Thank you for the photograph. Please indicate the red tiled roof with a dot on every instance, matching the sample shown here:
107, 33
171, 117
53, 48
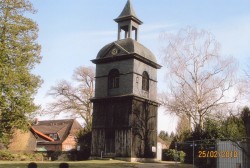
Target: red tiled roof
61, 127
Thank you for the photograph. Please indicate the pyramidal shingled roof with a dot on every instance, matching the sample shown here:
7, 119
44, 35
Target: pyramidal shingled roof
127, 13
128, 10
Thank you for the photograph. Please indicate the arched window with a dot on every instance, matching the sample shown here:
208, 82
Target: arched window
145, 81
113, 79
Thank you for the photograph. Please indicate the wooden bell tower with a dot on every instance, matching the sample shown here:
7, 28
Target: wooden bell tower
125, 105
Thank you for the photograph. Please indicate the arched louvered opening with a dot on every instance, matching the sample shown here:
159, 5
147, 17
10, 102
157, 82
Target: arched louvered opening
113, 79
145, 81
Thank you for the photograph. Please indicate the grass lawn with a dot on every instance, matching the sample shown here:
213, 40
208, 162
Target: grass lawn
90, 164
82, 164
172, 165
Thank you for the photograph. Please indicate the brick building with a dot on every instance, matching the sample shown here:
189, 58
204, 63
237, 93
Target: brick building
47, 135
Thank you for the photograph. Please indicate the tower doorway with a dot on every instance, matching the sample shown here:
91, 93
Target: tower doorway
110, 142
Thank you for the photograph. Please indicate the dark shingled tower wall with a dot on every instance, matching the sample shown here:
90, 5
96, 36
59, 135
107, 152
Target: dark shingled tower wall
125, 104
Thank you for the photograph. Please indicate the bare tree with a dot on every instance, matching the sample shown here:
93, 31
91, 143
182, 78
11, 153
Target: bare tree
75, 98
246, 82
200, 79
183, 125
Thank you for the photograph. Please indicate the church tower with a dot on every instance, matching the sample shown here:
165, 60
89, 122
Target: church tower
125, 104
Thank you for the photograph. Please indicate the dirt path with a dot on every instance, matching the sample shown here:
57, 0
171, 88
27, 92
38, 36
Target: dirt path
151, 165
162, 165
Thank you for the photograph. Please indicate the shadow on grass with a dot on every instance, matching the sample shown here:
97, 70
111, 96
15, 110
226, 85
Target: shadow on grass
64, 165
32, 165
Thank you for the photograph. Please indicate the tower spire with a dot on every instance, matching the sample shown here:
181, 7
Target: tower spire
128, 22
128, 10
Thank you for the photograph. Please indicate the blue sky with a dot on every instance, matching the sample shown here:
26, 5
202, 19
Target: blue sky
72, 32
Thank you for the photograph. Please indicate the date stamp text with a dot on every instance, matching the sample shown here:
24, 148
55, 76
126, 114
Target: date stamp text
218, 154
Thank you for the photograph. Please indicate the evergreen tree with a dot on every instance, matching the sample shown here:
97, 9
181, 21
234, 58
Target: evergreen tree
233, 128
19, 52
164, 136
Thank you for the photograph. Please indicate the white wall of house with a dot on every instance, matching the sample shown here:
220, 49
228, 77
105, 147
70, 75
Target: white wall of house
159, 151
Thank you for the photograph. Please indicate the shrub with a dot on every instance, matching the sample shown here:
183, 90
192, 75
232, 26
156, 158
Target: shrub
182, 156
20, 156
5, 155
173, 155
84, 140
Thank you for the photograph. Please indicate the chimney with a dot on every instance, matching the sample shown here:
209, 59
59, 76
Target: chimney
36, 121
